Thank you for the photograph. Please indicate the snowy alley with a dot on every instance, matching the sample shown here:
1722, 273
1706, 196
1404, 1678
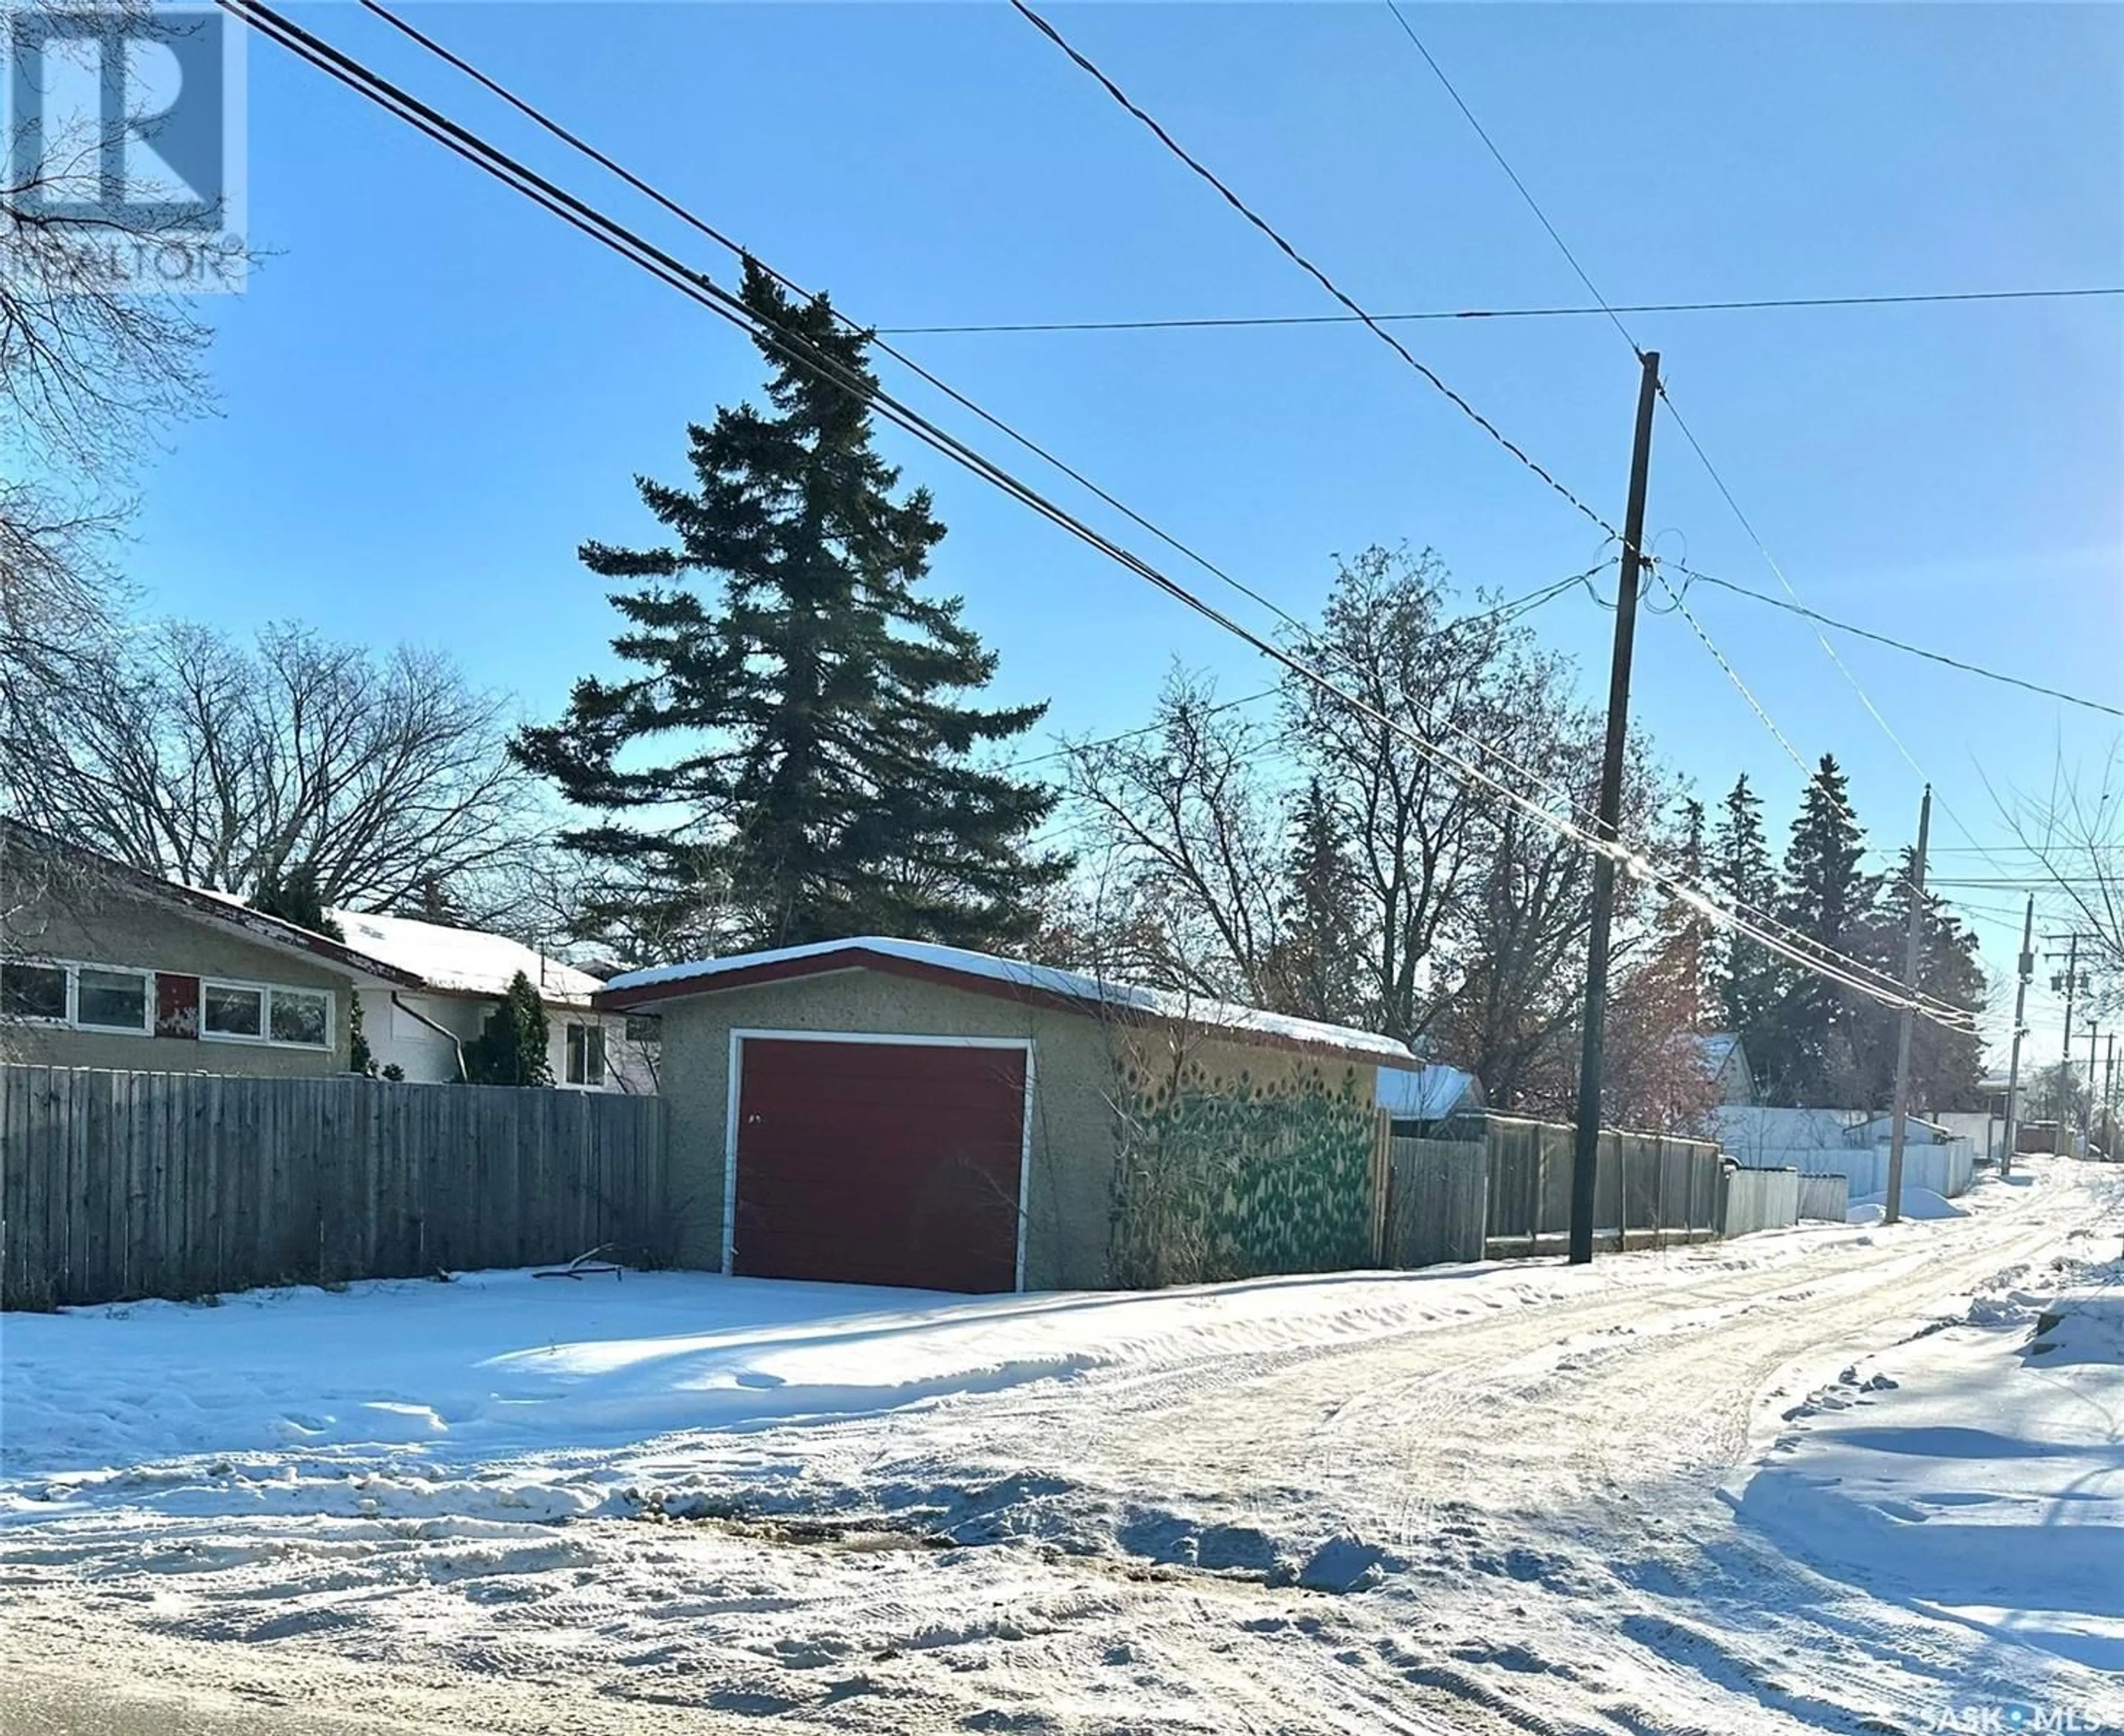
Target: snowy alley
1840, 1478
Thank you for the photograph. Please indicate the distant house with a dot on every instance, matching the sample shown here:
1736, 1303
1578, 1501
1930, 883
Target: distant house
102, 966
1732, 1080
1429, 1093
458, 975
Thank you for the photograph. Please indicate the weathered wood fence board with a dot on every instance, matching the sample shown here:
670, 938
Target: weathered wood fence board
122, 1184
1437, 1200
1826, 1198
1759, 1200
1496, 1186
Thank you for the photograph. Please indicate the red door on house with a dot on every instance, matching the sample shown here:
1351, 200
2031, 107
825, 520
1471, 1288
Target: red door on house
879, 1163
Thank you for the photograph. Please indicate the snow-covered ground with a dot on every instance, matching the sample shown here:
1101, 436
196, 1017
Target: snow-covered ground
1824, 1479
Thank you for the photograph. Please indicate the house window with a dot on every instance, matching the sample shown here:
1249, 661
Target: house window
33, 991
586, 1054
301, 1016
110, 1000
227, 1009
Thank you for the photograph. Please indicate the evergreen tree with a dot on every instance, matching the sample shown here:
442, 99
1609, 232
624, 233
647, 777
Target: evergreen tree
511, 1048
1318, 964
1820, 1054
1690, 935
294, 898
361, 1058
1945, 1065
816, 754
1749, 980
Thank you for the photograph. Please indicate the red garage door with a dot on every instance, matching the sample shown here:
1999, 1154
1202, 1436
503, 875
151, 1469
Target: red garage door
879, 1163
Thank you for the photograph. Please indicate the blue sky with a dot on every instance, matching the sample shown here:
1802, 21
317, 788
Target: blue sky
432, 393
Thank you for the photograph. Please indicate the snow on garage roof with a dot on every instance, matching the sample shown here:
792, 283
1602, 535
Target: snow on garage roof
463, 961
1013, 977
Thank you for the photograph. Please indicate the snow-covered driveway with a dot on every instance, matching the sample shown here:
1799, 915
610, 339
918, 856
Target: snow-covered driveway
1498, 1498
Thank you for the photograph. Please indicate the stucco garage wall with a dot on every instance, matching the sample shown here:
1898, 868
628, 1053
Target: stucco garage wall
1242, 1160
1069, 1209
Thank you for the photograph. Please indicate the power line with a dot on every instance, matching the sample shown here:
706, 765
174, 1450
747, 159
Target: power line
1236, 322
1695, 446
1679, 605
1320, 277
1693, 575
531, 112
1511, 610
1231, 197
698, 286
1511, 174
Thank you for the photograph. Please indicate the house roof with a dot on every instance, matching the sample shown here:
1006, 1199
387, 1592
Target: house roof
221, 909
1430, 1093
464, 961
1011, 978
1718, 1049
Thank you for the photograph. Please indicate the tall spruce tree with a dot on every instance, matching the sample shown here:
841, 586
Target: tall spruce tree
816, 769
1317, 963
1751, 980
1690, 942
1945, 1065
1821, 1055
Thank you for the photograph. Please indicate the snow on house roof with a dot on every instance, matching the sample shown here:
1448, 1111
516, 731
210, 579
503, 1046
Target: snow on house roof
1429, 1094
465, 961
874, 951
1718, 1047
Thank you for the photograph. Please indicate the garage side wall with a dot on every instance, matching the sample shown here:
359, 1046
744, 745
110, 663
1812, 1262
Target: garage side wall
1070, 1204
1240, 1160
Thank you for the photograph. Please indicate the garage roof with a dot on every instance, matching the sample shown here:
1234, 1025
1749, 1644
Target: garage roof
1013, 978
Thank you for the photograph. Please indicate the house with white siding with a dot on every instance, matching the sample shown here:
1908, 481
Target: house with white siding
462, 974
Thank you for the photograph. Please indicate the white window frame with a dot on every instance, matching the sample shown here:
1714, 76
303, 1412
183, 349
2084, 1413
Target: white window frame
273, 991
603, 1084
734, 1082
264, 1011
266, 1039
65, 967
74, 967
145, 1028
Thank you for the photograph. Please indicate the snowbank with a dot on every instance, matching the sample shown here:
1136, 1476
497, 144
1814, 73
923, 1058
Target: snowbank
1919, 1205
1975, 1472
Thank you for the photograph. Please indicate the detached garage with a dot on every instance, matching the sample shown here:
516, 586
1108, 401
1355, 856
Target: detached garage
884, 1112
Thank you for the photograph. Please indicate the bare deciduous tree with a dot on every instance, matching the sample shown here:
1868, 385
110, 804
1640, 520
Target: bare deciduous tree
1181, 816
90, 371
1419, 835
184, 753
2075, 831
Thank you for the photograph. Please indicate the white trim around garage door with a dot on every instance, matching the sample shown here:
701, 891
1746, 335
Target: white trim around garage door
733, 1086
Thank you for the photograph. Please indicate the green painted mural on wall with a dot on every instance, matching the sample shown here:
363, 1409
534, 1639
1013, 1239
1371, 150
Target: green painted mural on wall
1240, 1175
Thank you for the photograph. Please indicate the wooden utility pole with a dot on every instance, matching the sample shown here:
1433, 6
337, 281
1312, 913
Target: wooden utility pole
2064, 1072
1897, 1127
2020, 1011
2092, 1026
1585, 1152
2109, 1096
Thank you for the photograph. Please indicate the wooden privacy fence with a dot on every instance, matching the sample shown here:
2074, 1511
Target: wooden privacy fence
1493, 1186
1825, 1198
116, 1185
1437, 1200
1759, 1200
